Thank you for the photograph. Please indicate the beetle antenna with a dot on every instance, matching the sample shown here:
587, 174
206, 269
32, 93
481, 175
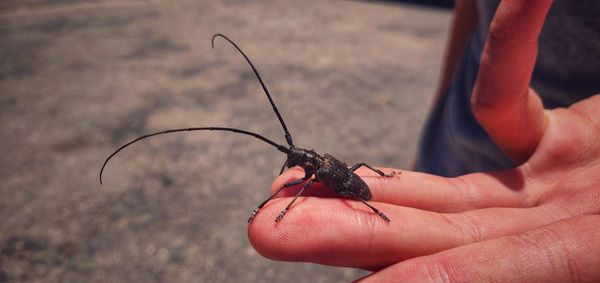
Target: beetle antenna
288, 137
278, 146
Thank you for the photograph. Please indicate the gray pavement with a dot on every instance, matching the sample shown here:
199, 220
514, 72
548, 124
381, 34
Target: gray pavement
80, 78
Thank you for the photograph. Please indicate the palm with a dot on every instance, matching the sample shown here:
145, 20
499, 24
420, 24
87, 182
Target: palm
563, 172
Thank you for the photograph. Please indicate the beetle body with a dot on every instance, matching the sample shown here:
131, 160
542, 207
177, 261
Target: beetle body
335, 174
329, 171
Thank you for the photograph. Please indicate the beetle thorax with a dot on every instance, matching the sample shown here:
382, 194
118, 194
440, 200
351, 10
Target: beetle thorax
307, 159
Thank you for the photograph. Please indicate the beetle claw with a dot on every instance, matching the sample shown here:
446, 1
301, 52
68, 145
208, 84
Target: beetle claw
383, 216
281, 214
254, 212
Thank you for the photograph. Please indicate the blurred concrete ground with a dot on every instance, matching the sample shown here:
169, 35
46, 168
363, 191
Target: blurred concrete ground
80, 78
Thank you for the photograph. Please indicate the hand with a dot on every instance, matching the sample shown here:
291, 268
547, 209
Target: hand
538, 222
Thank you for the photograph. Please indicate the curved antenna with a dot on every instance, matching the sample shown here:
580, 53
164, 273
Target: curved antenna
288, 137
278, 146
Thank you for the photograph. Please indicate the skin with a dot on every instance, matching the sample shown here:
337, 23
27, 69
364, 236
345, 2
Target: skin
539, 222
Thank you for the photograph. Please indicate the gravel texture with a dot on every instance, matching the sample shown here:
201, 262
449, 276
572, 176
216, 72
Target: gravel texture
80, 78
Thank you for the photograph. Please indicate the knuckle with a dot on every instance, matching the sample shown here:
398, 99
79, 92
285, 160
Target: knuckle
466, 227
467, 192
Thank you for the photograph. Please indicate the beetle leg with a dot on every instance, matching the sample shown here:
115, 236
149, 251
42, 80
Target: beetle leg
374, 209
381, 173
286, 185
283, 167
284, 211
355, 196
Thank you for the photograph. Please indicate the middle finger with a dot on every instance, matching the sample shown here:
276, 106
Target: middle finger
343, 232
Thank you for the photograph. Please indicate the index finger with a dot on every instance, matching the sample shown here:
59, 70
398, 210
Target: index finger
430, 192
502, 102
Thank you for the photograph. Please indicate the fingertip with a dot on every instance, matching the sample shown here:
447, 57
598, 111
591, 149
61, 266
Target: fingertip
288, 239
328, 231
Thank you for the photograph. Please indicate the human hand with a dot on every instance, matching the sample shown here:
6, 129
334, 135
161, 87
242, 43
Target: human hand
538, 222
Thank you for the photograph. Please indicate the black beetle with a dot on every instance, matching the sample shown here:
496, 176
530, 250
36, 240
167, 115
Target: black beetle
324, 169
